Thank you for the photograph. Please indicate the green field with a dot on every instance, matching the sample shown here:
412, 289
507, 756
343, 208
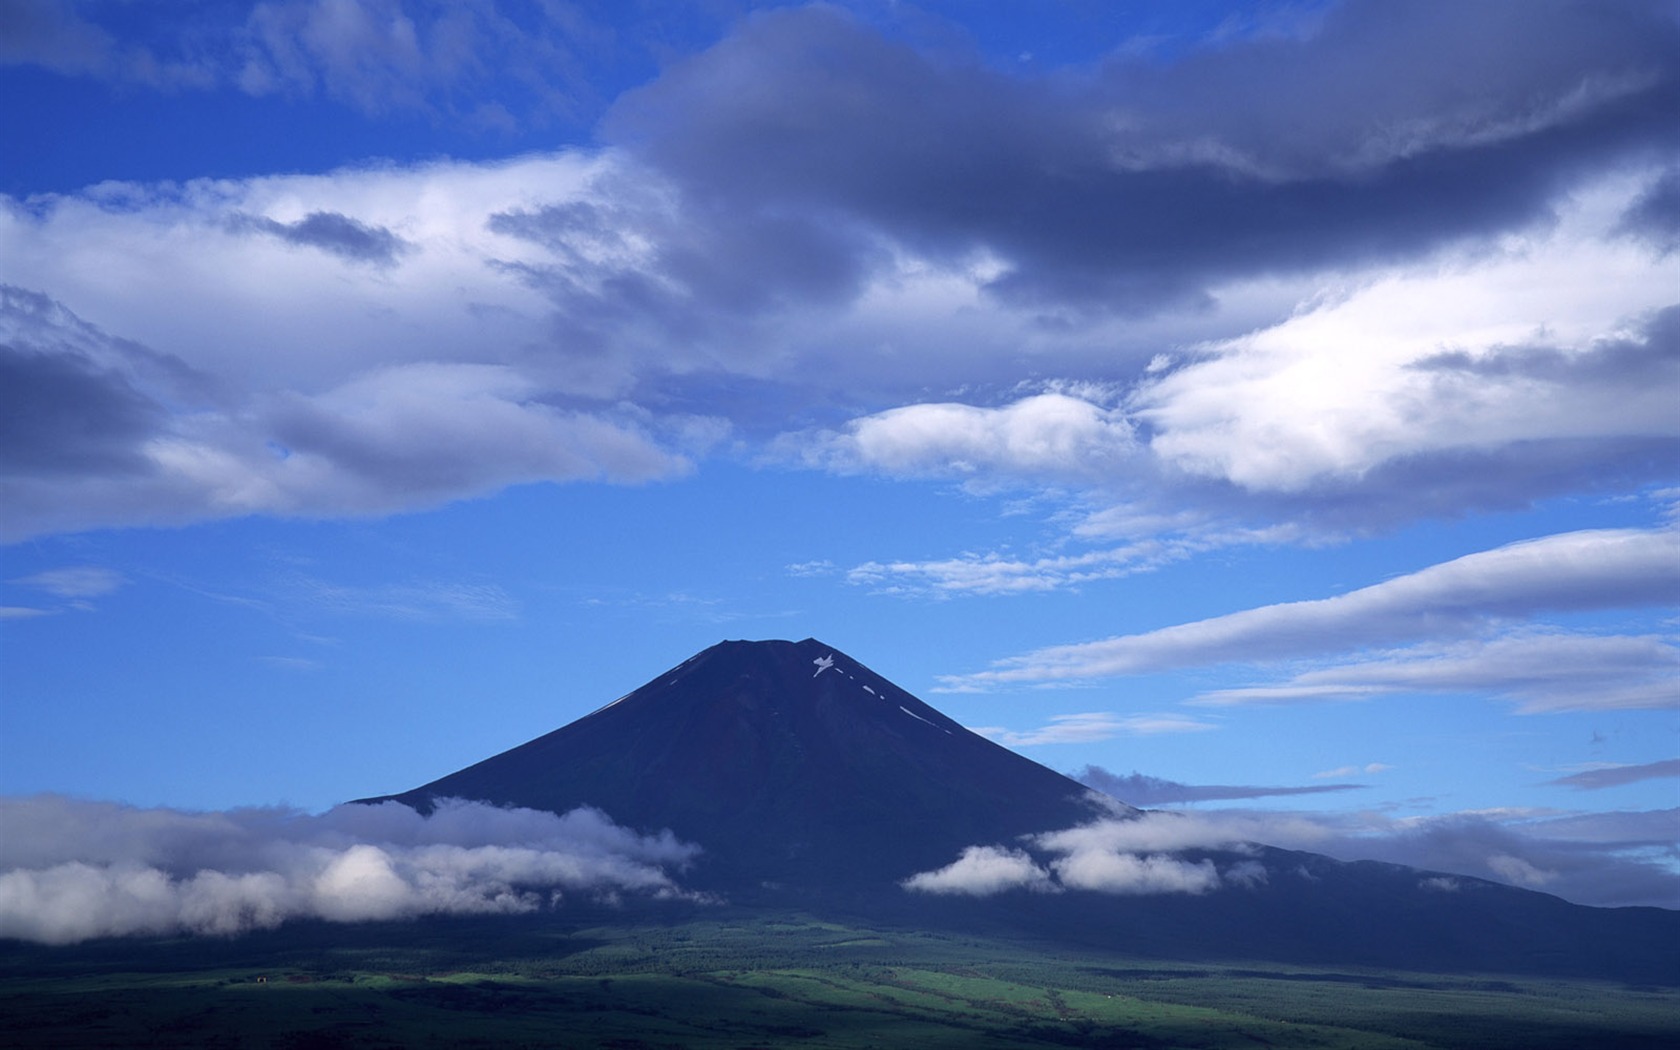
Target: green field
740, 979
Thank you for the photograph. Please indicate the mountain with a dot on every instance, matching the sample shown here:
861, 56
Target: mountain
791, 764
810, 781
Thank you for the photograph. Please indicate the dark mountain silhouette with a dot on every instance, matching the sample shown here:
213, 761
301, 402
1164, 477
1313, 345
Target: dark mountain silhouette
791, 764
811, 781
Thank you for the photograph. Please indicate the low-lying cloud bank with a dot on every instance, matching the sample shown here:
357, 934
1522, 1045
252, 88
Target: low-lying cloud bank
1607, 859
72, 870
1129, 857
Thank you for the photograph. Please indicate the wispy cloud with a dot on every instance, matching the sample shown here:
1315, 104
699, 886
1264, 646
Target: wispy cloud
1603, 777
995, 573
1092, 726
79, 581
73, 870
428, 600
1538, 670
1576, 571
291, 663
473, 65
1368, 769
1157, 541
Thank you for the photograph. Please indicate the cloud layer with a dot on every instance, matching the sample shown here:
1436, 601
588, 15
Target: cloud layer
73, 870
859, 251
1606, 859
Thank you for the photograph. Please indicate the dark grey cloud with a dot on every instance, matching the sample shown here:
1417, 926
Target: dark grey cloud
331, 232
1142, 790
63, 414
1616, 776
51, 34
1655, 216
640, 288
1652, 358
1392, 130
75, 401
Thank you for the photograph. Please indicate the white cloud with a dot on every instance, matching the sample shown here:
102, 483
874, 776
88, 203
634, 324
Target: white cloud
1132, 875
982, 871
270, 314
1092, 726
1573, 571
1128, 856
1163, 832
1350, 383
1519, 872
1607, 859
1491, 373
239, 372
1049, 434
73, 870
287, 375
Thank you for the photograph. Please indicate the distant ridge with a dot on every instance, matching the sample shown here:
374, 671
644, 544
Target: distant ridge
811, 781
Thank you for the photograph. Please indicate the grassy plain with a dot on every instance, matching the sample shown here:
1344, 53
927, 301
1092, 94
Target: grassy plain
714, 978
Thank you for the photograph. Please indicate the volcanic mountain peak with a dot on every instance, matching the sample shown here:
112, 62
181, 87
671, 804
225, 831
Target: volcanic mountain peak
789, 763
780, 679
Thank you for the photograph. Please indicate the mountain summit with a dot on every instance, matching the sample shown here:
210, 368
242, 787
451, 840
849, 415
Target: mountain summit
791, 764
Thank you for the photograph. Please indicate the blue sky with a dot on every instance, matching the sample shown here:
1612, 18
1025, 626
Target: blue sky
1271, 406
